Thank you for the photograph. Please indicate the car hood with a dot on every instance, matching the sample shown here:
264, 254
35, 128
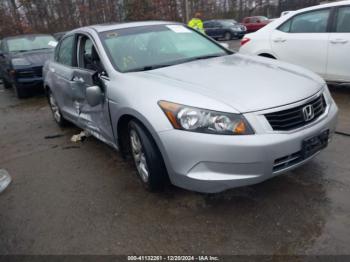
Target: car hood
36, 57
245, 83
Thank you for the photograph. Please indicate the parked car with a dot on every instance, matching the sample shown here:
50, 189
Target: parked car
224, 29
254, 23
317, 38
185, 107
21, 61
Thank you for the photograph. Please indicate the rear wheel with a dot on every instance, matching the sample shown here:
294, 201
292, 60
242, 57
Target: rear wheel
56, 112
147, 158
227, 36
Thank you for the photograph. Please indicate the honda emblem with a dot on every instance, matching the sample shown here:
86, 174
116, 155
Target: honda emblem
308, 113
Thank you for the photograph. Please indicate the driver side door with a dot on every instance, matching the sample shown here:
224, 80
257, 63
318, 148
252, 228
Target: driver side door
90, 72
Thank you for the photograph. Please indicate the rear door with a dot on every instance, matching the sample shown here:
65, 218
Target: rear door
303, 40
338, 67
61, 71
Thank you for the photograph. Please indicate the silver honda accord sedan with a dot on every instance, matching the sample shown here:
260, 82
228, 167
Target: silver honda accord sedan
186, 109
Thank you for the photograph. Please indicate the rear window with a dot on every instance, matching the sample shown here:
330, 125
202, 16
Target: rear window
310, 22
343, 20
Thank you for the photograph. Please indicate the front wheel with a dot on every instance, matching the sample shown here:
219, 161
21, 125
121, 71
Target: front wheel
21, 92
7, 84
147, 158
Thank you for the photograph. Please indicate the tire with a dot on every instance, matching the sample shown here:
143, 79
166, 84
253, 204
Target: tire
227, 36
20, 92
7, 85
56, 112
147, 158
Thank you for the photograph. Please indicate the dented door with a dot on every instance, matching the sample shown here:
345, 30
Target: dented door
94, 119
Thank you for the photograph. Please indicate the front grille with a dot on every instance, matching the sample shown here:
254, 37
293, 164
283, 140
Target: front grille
38, 71
294, 118
32, 72
287, 161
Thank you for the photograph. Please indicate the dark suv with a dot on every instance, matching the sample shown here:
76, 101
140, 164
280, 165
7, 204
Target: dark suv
21, 61
224, 29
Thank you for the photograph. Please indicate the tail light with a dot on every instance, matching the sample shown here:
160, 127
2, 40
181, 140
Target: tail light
244, 41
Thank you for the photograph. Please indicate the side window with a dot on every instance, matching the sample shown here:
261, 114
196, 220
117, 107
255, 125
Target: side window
88, 56
285, 27
65, 52
216, 25
311, 22
343, 20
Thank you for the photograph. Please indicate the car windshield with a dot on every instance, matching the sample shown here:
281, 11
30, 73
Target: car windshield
263, 18
150, 47
29, 43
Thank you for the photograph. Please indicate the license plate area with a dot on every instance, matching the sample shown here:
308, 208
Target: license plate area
312, 145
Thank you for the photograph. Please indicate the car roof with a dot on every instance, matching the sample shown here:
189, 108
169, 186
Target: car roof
219, 20
339, 3
113, 26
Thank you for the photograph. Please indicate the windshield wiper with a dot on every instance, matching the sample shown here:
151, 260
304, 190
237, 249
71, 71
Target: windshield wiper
147, 68
41, 48
202, 57
180, 61
19, 51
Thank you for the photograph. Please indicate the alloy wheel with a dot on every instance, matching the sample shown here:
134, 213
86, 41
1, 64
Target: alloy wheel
139, 156
54, 107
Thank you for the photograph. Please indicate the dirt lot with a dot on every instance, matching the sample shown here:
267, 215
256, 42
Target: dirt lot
83, 198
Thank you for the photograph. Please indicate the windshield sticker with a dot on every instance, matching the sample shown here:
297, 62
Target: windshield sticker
52, 43
113, 34
178, 29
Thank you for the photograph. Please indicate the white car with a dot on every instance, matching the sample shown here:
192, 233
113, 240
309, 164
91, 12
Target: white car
317, 38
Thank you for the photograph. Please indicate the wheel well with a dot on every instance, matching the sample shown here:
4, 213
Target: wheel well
267, 55
123, 135
46, 89
122, 131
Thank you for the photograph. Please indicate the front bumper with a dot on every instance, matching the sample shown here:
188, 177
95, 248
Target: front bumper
214, 163
239, 33
29, 82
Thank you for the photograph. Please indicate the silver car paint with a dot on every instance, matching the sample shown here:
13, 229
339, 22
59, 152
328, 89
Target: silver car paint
235, 83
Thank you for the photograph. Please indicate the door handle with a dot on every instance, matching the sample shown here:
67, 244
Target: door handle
279, 40
78, 79
339, 41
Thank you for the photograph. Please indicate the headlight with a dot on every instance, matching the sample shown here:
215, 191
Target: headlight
20, 62
237, 28
205, 121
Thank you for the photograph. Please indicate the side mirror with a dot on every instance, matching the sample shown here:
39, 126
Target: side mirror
226, 45
94, 95
1, 54
258, 21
